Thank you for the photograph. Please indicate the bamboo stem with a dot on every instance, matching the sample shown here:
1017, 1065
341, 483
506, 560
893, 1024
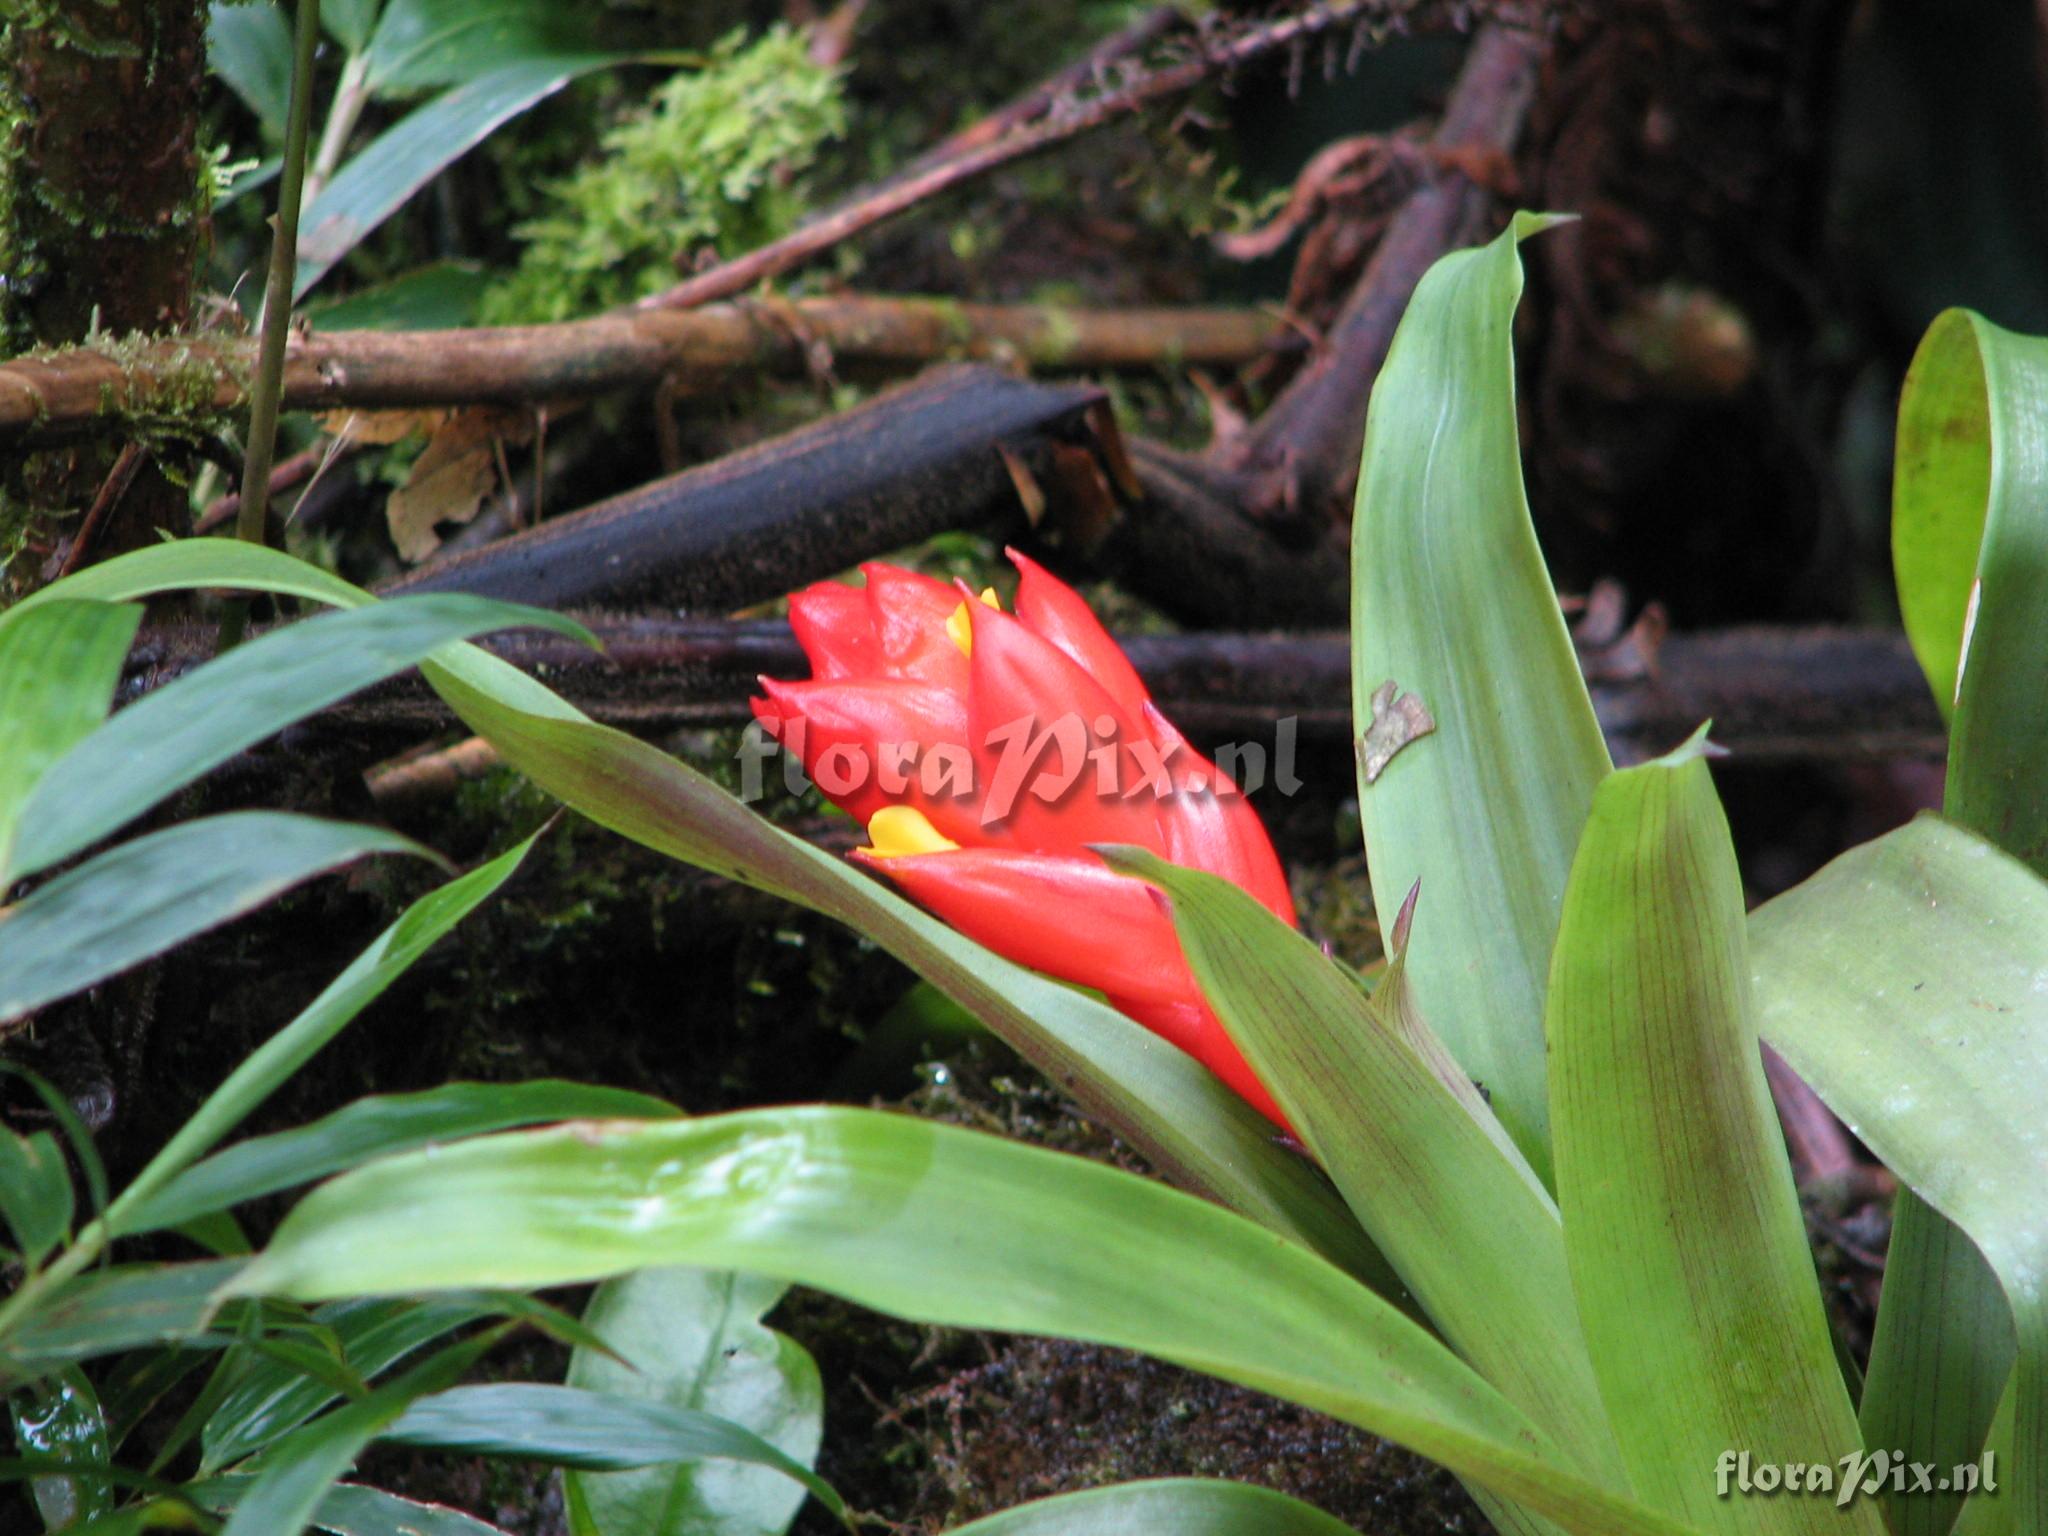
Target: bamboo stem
277, 309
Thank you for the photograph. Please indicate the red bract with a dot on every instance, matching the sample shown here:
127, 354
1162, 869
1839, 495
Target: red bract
986, 751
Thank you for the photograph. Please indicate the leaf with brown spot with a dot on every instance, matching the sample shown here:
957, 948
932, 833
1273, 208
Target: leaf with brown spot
1397, 719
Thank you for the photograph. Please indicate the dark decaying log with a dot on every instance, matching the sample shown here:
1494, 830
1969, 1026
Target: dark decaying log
950, 451
1774, 695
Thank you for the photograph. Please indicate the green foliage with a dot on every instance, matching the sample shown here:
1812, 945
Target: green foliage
714, 161
1905, 983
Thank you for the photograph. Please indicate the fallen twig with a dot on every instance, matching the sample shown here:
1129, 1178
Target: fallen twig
1057, 115
84, 389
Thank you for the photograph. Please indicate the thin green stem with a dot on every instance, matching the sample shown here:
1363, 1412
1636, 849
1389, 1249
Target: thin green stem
277, 306
351, 95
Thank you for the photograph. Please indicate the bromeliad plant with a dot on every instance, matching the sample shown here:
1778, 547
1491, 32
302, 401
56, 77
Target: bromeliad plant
1545, 1232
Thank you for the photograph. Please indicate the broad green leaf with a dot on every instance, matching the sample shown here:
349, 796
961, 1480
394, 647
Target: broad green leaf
304, 1466
110, 1310
1969, 543
271, 1063
1969, 538
250, 47
145, 896
1907, 981
272, 1399
693, 1339
61, 1417
570, 1427
1939, 1361
1167, 1105
59, 666
376, 1127
349, 22
421, 43
183, 730
188, 563
1178, 1506
1418, 1156
439, 297
937, 1225
1681, 1222
1451, 602
379, 179
35, 1193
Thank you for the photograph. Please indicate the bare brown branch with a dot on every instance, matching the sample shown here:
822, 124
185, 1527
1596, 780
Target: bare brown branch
1049, 116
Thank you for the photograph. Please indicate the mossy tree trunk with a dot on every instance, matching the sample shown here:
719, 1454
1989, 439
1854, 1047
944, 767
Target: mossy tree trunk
102, 213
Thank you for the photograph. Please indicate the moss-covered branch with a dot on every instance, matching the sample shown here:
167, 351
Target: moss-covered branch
107, 386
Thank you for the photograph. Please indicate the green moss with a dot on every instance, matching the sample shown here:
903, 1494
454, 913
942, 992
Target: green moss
713, 162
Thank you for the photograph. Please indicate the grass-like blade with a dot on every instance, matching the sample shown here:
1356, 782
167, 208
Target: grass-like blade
147, 895
181, 731
59, 664
114, 1309
376, 1127
259, 1075
596, 1431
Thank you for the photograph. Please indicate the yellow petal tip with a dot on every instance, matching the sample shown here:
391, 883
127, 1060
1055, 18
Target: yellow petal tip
896, 830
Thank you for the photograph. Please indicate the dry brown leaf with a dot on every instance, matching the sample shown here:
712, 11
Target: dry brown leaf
379, 429
1396, 721
450, 479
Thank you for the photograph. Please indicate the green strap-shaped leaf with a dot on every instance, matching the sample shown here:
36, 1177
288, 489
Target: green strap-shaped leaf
271, 1399
349, 22
694, 1339
376, 1127
1908, 982
250, 48
148, 895
1174, 1506
420, 43
114, 1309
59, 665
384, 175
1970, 546
189, 563
938, 1225
1418, 1156
1451, 602
282, 1499
1170, 1107
1681, 1221
188, 727
418, 928
597, 1431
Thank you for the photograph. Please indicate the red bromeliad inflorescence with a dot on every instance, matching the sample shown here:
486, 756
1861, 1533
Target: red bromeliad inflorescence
986, 751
